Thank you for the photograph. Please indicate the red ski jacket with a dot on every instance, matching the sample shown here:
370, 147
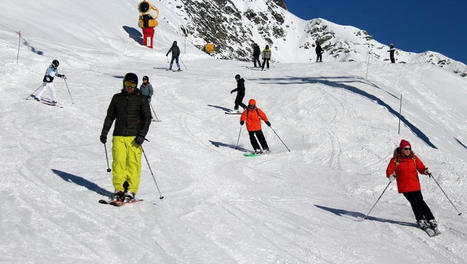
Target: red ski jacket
406, 172
253, 118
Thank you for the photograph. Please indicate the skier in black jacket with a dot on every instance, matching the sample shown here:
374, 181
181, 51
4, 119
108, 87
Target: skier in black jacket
256, 54
132, 116
175, 54
319, 52
240, 92
391, 52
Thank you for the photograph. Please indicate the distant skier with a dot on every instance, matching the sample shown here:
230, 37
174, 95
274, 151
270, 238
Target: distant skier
240, 92
132, 116
175, 55
391, 52
256, 54
319, 52
266, 57
403, 167
47, 82
146, 88
253, 116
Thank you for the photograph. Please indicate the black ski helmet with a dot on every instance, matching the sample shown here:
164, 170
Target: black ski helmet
130, 77
146, 78
237, 77
55, 63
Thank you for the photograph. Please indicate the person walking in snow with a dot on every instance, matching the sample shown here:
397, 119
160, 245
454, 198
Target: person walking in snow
253, 116
146, 88
175, 55
403, 167
132, 116
256, 54
319, 52
266, 57
240, 92
47, 82
391, 52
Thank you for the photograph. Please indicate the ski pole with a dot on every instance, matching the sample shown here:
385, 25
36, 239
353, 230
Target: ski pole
154, 112
66, 84
29, 96
239, 133
458, 213
107, 158
366, 216
19, 45
280, 139
183, 64
154, 178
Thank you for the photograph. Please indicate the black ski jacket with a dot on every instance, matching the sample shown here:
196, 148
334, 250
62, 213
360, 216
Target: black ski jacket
175, 51
318, 49
256, 51
240, 88
131, 113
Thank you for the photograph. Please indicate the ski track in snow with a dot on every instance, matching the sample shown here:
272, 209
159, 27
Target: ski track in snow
303, 206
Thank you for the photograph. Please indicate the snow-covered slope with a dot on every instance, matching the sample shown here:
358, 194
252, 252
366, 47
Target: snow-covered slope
219, 207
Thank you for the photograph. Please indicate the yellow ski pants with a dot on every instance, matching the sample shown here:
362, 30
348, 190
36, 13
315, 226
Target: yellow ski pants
126, 165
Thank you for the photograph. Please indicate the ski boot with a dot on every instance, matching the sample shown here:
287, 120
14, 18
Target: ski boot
434, 226
118, 196
129, 197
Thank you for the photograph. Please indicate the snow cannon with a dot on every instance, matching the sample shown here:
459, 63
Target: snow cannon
148, 21
209, 48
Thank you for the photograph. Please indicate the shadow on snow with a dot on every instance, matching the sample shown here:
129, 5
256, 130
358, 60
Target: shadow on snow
220, 144
220, 107
460, 143
134, 34
342, 212
82, 182
339, 82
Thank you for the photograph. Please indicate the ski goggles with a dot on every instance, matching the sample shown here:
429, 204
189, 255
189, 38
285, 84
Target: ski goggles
129, 84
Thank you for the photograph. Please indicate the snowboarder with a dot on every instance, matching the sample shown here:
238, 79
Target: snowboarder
175, 54
47, 82
146, 88
253, 116
132, 116
403, 168
256, 54
319, 52
240, 93
391, 52
266, 56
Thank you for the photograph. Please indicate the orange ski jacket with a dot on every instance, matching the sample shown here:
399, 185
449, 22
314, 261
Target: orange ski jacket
253, 118
406, 172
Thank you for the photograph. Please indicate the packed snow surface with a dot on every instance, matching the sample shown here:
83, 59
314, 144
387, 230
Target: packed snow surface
305, 206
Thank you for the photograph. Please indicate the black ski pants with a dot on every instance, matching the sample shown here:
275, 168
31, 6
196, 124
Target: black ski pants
419, 207
239, 102
265, 62
391, 56
319, 57
256, 60
259, 134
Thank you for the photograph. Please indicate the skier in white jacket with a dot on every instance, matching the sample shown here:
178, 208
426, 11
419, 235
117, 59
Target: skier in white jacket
50, 73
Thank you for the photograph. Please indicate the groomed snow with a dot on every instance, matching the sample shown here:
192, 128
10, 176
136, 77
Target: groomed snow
220, 207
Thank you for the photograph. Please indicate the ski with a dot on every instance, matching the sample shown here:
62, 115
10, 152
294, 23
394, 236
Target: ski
156, 120
119, 203
233, 113
251, 154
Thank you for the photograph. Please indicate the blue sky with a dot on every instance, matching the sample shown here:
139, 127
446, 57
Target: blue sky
412, 25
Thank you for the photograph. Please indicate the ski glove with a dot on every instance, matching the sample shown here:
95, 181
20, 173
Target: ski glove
392, 177
103, 139
139, 140
427, 172
268, 123
242, 122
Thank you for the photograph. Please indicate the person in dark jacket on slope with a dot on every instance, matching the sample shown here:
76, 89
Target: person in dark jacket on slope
175, 55
146, 88
319, 52
240, 92
391, 53
403, 168
256, 54
132, 116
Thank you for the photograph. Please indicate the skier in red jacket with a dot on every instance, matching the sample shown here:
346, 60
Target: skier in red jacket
253, 116
403, 167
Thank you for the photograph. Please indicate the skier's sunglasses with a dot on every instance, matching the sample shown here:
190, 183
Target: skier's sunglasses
251, 106
129, 84
406, 149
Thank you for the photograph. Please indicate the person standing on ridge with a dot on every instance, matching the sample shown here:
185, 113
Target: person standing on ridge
403, 167
175, 55
253, 116
132, 116
391, 52
319, 52
266, 56
240, 93
256, 54
47, 82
